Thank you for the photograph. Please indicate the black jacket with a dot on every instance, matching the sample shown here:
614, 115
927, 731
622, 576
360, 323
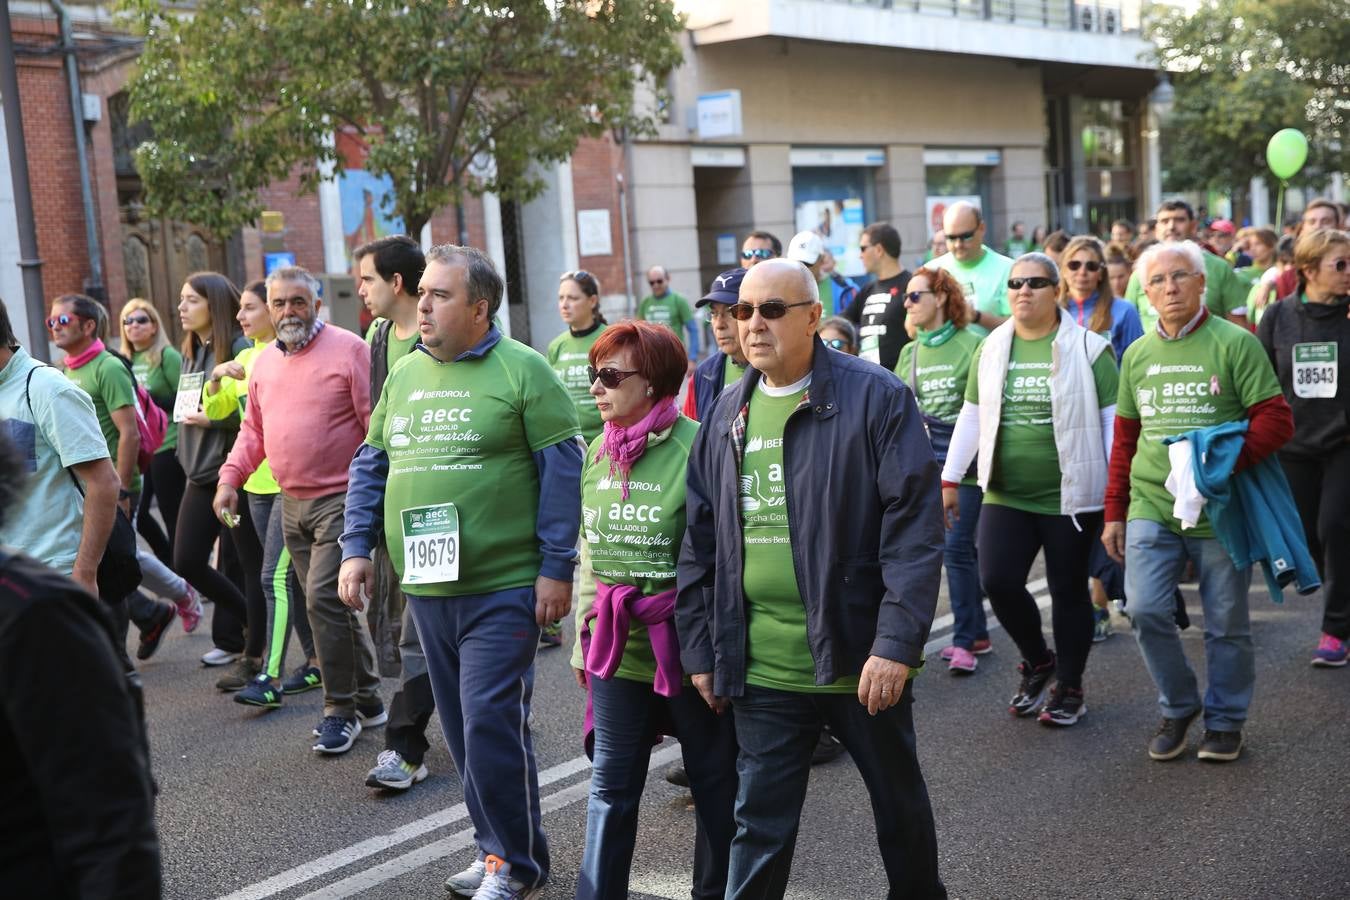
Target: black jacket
865, 514
1320, 424
77, 819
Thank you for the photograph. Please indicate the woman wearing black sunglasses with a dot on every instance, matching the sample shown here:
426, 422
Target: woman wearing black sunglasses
627, 655
1038, 415
1307, 336
1087, 294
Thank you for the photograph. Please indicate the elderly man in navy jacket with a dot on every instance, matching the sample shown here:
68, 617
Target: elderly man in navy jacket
808, 581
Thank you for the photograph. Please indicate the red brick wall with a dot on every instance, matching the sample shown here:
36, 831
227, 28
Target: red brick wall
595, 164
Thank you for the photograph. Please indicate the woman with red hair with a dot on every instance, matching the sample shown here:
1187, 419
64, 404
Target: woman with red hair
627, 655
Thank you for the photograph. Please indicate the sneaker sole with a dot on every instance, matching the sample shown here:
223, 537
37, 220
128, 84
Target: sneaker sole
1212, 756
243, 700
1045, 719
983, 651
961, 670
1034, 708
1320, 663
372, 721
1164, 757
302, 690
416, 777
222, 661
463, 890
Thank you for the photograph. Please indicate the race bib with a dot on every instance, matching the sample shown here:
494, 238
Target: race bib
1315, 370
430, 544
189, 398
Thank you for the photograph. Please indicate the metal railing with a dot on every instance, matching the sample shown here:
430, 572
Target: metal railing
1096, 16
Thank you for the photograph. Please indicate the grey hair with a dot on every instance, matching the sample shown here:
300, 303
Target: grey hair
295, 275
1042, 260
1188, 250
480, 274
839, 323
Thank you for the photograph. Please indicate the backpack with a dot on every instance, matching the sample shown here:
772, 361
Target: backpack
151, 422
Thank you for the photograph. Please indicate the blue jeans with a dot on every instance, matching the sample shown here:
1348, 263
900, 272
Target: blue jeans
963, 573
1154, 561
625, 712
480, 656
777, 730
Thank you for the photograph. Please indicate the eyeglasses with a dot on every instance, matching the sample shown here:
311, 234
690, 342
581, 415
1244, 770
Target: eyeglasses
757, 254
1091, 265
718, 311
769, 309
63, 320
578, 275
914, 296
836, 343
610, 378
1035, 282
136, 320
1174, 278
962, 238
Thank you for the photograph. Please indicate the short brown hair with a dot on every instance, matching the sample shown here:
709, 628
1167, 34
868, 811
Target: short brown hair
1312, 248
659, 356
940, 281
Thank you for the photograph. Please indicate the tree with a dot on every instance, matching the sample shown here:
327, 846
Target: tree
241, 93
1243, 70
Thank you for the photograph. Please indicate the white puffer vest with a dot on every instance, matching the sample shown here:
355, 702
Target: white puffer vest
1075, 409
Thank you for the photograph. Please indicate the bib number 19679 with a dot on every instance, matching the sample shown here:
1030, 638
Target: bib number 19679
431, 551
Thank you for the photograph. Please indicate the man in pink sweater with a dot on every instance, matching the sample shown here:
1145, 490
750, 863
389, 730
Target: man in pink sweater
308, 410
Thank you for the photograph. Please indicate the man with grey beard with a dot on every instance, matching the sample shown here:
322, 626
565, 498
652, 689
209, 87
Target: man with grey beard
308, 411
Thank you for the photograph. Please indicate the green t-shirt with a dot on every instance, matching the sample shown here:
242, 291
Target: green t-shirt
672, 310
398, 347
569, 355
1208, 377
777, 652
733, 373
1017, 246
1026, 473
938, 379
465, 433
108, 383
985, 283
1225, 291
161, 382
637, 541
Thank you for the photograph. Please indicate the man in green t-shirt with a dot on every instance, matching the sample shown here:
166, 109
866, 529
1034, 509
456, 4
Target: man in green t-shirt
1225, 292
666, 306
1193, 371
981, 271
808, 599
472, 468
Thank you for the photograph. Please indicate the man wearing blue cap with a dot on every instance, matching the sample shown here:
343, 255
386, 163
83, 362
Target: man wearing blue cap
727, 366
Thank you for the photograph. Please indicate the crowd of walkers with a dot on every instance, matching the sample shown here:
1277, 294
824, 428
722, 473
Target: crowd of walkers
749, 542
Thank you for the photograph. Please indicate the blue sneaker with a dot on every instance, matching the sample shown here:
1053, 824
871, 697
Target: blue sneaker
305, 678
336, 734
260, 692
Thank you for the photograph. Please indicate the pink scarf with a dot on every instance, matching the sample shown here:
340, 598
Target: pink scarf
79, 359
625, 445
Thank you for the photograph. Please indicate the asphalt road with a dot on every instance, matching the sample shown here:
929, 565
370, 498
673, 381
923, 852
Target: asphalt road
246, 810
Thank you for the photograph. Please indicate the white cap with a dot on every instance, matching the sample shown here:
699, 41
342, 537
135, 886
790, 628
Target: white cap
806, 247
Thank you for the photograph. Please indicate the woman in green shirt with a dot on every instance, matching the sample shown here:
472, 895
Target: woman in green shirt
627, 653
156, 365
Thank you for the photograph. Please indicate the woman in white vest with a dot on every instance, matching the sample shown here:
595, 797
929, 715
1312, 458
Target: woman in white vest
1038, 413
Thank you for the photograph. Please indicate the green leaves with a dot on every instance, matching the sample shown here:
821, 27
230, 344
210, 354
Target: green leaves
242, 93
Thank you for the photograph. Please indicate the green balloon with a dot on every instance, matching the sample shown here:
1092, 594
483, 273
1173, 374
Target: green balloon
1089, 138
1286, 153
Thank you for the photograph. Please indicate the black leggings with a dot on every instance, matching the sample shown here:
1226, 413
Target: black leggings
1321, 489
163, 482
1008, 542
250, 552
194, 539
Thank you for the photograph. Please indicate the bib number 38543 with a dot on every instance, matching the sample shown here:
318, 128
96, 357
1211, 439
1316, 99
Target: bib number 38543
1315, 370
431, 548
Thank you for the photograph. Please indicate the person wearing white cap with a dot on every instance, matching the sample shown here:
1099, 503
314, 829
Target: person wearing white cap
808, 249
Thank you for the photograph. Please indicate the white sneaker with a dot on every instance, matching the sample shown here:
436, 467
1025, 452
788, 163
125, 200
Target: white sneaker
466, 883
394, 772
218, 657
499, 885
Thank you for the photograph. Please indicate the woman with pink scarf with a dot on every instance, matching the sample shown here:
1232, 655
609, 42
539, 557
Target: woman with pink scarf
627, 658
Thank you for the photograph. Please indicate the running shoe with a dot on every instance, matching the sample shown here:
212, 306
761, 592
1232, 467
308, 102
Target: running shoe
551, 635
465, 883
190, 609
979, 648
1035, 684
153, 635
305, 678
1220, 746
218, 657
961, 661
1331, 652
238, 678
828, 748
336, 734
394, 772
373, 715
1170, 740
261, 692
1101, 624
499, 885
1065, 706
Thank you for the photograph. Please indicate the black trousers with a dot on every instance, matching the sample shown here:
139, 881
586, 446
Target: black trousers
1008, 542
248, 547
163, 482
1321, 488
198, 529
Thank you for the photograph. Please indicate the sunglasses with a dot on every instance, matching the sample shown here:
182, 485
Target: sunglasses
136, 320
915, 296
655, 281
757, 254
769, 309
578, 275
63, 320
1035, 283
836, 343
863, 248
1091, 265
961, 237
610, 378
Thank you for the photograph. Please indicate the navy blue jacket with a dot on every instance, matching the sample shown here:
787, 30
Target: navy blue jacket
707, 384
864, 510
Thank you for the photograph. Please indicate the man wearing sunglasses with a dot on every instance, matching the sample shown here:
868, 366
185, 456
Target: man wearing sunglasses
981, 271
878, 309
805, 602
722, 369
666, 306
759, 246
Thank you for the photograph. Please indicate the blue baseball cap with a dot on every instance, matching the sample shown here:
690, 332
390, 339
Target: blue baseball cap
725, 288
